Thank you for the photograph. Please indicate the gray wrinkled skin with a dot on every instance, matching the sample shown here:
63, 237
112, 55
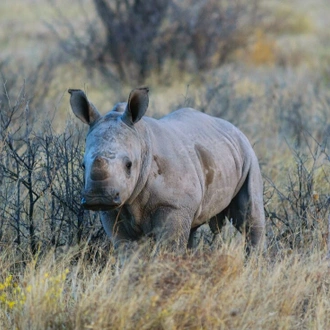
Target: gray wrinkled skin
164, 178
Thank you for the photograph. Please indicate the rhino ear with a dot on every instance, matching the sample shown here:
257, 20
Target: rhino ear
82, 108
137, 105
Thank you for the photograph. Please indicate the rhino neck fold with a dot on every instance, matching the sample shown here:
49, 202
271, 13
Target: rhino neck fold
146, 159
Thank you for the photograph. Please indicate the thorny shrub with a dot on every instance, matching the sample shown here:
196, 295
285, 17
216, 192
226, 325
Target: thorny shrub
299, 211
128, 40
40, 181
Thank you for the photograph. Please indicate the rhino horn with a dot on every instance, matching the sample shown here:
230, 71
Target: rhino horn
82, 108
99, 169
137, 105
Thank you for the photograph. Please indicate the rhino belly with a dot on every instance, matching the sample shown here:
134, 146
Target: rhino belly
212, 204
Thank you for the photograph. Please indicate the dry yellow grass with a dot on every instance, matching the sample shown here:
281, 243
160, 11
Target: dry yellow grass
203, 290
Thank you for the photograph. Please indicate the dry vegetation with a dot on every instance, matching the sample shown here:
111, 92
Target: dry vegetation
205, 290
267, 72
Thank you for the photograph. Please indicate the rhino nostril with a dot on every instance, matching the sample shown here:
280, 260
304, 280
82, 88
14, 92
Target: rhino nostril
116, 198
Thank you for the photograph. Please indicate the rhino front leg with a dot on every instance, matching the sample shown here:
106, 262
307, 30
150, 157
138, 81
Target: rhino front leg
171, 228
118, 234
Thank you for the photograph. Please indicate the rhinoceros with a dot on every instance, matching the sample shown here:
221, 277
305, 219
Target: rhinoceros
164, 178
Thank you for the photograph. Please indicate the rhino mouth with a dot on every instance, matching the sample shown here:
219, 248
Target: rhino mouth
99, 203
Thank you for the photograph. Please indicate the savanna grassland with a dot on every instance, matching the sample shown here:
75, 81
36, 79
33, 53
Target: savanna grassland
263, 65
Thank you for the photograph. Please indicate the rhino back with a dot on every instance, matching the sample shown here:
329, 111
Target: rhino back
198, 161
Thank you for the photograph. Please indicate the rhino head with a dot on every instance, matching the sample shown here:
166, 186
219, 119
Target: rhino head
114, 150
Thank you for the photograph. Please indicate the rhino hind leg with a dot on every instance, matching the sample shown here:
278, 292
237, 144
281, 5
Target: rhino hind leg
246, 211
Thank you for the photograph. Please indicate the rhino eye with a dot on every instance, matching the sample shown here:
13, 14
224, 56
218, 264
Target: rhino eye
128, 166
